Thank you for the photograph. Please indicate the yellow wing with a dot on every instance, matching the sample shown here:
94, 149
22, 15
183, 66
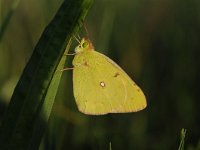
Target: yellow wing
101, 86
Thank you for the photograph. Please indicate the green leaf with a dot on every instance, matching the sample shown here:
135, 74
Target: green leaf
28, 112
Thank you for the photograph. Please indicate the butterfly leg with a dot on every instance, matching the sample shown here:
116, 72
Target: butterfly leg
70, 54
64, 69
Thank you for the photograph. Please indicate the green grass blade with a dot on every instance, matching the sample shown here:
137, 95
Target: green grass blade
48, 103
28, 112
182, 139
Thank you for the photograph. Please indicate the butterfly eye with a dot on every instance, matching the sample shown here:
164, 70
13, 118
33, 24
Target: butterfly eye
85, 44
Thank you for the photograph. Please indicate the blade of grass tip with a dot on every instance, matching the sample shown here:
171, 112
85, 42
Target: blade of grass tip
182, 139
110, 146
8, 17
26, 117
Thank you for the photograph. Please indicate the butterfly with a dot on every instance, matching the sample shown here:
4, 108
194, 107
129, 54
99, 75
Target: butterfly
100, 86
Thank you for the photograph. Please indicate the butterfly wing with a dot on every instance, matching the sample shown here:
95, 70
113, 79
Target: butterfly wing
101, 86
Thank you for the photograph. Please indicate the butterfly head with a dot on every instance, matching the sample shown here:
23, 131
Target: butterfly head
84, 45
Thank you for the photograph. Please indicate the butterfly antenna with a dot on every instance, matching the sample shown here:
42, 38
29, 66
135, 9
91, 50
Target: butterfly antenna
86, 30
78, 36
76, 39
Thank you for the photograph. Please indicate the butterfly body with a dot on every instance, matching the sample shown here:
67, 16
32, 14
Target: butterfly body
101, 86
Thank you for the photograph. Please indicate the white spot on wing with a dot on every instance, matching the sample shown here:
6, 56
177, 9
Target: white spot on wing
102, 84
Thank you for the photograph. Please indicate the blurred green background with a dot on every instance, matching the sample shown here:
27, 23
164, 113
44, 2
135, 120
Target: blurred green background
155, 41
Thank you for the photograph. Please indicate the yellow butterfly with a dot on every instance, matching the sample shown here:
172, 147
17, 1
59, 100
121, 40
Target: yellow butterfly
100, 86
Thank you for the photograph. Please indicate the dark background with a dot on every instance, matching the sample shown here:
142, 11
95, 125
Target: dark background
156, 42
